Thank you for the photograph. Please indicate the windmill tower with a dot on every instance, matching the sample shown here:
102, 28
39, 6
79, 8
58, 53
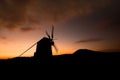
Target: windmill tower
44, 47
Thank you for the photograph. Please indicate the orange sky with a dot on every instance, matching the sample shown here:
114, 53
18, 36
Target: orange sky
79, 24
18, 42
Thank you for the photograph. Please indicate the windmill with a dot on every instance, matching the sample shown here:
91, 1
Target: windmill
44, 47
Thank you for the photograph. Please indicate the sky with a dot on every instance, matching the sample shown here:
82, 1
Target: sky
79, 24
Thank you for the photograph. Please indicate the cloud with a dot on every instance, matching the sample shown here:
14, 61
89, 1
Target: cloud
60, 10
27, 29
3, 37
15, 13
89, 40
108, 17
105, 16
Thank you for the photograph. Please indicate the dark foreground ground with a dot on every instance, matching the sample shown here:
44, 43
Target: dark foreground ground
86, 57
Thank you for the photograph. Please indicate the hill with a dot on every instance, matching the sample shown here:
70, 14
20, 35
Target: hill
81, 56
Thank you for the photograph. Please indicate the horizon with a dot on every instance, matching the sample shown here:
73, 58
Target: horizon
105, 51
79, 24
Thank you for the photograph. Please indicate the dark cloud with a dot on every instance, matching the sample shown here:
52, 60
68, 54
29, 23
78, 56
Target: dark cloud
108, 17
3, 37
89, 40
103, 21
14, 13
27, 29
60, 10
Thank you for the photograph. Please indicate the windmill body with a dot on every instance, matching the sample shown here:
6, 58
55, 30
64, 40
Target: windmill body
43, 49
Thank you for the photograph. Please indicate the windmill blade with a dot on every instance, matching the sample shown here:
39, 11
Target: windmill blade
55, 48
27, 49
47, 34
52, 33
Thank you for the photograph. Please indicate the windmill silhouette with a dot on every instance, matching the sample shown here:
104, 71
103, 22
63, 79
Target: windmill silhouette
44, 47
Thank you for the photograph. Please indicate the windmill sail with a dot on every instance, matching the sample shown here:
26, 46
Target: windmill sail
27, 49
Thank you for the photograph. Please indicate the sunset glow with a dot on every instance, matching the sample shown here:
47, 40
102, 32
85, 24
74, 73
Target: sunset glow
79, 24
